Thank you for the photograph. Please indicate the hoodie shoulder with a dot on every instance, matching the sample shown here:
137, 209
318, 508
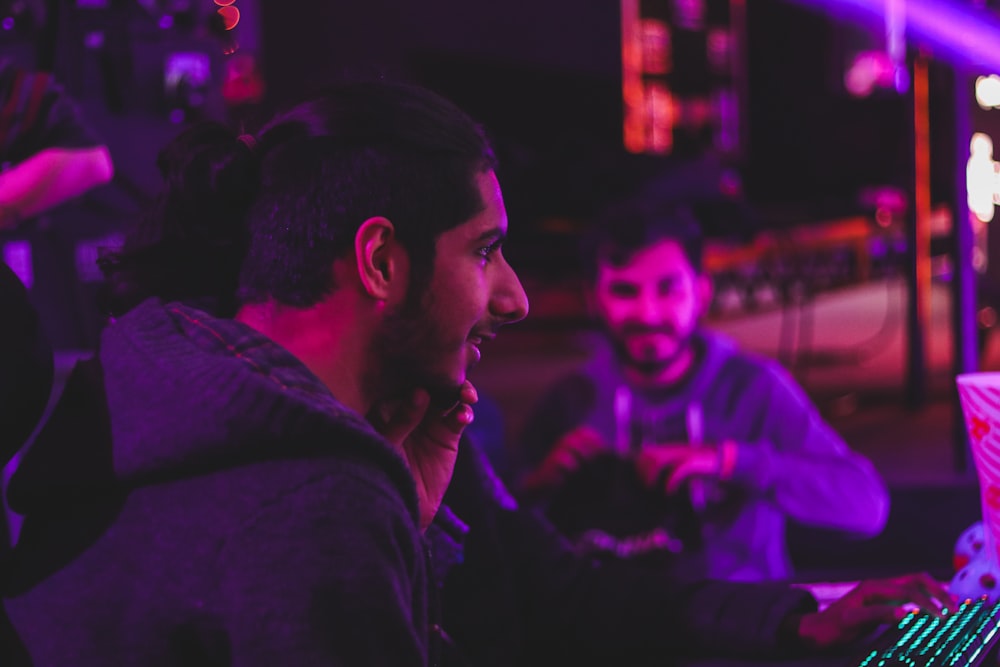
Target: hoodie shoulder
183, 394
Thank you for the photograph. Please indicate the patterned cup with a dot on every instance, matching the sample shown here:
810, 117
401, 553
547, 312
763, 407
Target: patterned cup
980, 397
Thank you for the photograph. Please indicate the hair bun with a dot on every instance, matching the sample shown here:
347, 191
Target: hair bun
211, 179
191, 242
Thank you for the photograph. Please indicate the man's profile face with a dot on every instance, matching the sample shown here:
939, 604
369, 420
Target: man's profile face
650, 306
435, 338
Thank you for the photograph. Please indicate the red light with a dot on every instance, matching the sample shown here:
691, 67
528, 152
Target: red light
230, 17
224, 3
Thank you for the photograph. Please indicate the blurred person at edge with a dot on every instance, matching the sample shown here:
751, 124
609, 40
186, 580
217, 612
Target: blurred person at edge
48, 153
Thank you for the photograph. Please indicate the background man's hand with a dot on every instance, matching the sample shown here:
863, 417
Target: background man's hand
870, 604
567, 455
674, 464
428, 440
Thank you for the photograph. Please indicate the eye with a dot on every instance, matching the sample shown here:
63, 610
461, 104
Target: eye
486, 252
623, 290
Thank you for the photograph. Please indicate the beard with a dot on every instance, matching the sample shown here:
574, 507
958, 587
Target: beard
650, 367
407, 352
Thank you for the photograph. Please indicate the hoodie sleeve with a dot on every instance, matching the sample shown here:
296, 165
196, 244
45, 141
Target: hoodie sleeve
577, 610
330, 574
805, 467
618, 611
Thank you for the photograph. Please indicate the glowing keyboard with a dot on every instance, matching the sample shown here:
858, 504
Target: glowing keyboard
961, 638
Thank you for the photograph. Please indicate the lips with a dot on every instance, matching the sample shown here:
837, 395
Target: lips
476, 340
477, 337
649, 338
647, 347
476, 354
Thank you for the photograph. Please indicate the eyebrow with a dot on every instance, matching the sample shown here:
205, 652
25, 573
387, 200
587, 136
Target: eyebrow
496, 235
632, 282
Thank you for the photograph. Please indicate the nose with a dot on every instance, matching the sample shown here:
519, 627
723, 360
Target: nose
647, 308
509, 302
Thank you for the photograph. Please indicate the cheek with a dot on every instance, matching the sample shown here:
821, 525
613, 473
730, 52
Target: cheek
692, 310
687, 314
617, 319
459, 304
613, 311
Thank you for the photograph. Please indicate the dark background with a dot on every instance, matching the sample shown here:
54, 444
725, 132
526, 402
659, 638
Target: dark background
543, 77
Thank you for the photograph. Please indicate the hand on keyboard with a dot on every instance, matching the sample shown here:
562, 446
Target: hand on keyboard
870, 604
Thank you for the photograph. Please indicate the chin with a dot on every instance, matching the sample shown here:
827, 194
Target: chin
444, 384
444, 392
647, 359
651, 353
446, 377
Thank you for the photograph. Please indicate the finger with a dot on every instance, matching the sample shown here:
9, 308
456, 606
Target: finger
649, 468
581, 446
679, 475
644, 460
935, 589
869, 616
592, 444
901, 591
563, 459
646, 471
922, 597
670, 455
458, 419
467, 393
590, 433
585, 440
919, 589
399, 423
463, 415
460, 415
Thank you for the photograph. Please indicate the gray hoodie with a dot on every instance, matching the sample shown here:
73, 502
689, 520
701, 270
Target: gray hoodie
789, 463
199, 497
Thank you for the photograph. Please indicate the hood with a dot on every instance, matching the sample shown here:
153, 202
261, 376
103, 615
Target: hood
605, 374
175, 392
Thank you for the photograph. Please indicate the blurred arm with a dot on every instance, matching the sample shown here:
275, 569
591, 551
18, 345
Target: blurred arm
805, 467
49, 178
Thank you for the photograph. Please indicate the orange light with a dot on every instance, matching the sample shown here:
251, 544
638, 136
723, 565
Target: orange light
230, 17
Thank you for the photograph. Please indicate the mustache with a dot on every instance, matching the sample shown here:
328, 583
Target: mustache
634, 329
487, 331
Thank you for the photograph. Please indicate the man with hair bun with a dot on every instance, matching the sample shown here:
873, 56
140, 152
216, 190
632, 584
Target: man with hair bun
210, 488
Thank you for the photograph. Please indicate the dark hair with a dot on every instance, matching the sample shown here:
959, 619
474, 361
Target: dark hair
190, 243
627, 227
246, 221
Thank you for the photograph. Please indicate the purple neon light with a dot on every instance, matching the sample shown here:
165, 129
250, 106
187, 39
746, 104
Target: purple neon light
959, 34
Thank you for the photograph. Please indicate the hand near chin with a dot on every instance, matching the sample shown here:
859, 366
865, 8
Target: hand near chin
428, 439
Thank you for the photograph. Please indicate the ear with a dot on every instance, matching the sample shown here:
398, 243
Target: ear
705, 291
375, 253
